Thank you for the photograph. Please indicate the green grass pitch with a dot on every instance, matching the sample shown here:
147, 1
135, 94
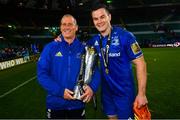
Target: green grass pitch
26, 99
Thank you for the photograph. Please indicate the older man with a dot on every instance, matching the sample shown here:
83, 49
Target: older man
58, 70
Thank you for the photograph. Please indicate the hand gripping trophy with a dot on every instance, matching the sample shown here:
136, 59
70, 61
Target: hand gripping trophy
86, 71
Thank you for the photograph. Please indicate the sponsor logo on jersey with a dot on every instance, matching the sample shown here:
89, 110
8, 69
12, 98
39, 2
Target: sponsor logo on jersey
135, 48
58, 54
114, 54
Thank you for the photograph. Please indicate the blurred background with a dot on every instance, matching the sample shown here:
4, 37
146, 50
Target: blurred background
26, 26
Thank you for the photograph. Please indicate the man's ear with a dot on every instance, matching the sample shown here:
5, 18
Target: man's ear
109, 16
77, 27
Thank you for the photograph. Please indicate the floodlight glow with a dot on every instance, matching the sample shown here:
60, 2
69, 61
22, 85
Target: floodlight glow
46, 28
109, 1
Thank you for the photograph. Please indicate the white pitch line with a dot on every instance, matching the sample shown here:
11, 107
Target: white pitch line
10, 91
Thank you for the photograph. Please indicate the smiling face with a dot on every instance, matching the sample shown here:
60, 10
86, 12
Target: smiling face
68, 27
101, 19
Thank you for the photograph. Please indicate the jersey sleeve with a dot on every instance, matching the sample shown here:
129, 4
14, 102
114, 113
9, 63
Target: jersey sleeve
133, 49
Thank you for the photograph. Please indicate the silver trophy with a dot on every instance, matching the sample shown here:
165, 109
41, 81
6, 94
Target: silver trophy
86, 71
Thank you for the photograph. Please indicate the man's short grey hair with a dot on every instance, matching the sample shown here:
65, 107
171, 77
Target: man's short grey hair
69, 15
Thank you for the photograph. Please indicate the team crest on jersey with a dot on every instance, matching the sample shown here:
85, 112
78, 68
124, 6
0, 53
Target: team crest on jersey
58, 54
115, 41
96, 43
135, 48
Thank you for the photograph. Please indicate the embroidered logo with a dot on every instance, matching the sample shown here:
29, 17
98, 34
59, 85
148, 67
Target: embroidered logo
96, 43
78, 55
115, 41
58, 54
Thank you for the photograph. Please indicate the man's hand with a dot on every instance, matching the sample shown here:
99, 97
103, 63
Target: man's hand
68, 94
140, 101
58, 39
141, 113
86, 97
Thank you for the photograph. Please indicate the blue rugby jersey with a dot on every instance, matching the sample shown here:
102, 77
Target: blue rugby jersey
123, 49
58, 68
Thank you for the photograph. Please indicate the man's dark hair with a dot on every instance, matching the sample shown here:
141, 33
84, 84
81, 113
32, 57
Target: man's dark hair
98, 5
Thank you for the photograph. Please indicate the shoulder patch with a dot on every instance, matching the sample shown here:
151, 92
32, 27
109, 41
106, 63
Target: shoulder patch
135, 48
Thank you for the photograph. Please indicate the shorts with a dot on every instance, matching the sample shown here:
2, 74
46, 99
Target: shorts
66, 114
120, 106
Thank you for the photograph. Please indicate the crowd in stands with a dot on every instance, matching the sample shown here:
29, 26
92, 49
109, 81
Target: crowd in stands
148, 42
12, 49
9, 51
12, 53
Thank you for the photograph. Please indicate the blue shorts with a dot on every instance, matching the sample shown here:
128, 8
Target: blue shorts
121, 106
